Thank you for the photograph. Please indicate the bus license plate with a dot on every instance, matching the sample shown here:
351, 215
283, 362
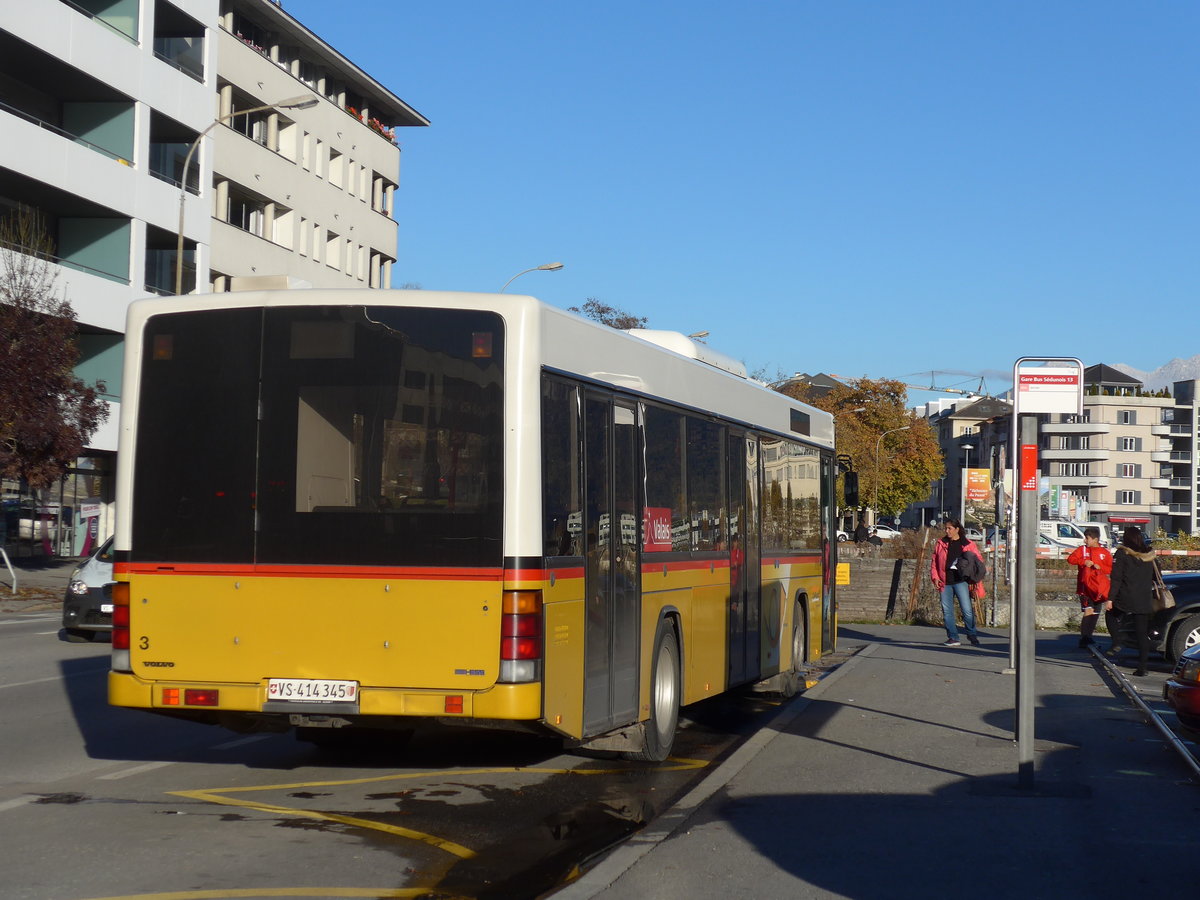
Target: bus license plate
312, 690
106, 607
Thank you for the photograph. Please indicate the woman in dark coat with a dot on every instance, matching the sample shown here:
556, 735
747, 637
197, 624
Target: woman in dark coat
1132, 590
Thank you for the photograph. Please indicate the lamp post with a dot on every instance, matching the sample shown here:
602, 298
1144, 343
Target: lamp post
878, 444
304, 102
967, 448
547, 267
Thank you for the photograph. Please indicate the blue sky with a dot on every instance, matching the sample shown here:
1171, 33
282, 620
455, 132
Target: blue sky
858, 188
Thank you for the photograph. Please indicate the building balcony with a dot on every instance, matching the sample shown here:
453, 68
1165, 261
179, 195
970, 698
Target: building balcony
1171, 430
1079, 481
1076, 428
1099, 506
1180, 509
1164, 456
1160, 483
1074, 455
1161, 509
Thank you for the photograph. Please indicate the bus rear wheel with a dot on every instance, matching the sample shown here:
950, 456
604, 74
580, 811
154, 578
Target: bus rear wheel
664, 697
793, 684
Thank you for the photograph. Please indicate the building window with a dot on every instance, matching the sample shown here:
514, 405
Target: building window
1127, 417
333, 251
245, 212
1133, 444
336, 173
1129, 498
1129, 470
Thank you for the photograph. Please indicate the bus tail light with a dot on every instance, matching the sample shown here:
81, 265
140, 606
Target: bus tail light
120, 632
521, 637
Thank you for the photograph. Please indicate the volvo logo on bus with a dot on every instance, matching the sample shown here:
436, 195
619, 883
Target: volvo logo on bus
157, 664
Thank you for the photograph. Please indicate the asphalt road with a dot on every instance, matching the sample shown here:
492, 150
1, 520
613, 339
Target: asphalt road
97, 802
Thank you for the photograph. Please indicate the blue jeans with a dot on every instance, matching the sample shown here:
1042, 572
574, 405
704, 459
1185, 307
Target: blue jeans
962, 590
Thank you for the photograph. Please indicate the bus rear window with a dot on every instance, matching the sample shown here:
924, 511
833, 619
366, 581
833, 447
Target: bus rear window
381, 437
321, 436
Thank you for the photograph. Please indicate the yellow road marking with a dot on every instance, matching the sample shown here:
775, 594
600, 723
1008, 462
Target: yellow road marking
220, 796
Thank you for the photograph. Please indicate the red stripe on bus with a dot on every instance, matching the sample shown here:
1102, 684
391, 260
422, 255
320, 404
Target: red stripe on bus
268, 571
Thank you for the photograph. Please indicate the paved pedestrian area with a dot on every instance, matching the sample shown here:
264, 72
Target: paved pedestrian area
897, 777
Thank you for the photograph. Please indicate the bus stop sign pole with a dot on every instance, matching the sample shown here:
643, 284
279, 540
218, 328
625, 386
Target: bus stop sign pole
1040, 385
1026, 594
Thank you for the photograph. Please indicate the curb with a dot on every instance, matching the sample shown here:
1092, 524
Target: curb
602, 876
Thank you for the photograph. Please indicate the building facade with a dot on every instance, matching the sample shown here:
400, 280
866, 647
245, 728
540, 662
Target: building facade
1128, 459
101, 102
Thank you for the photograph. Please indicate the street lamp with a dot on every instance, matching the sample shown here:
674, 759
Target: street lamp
967, 448
548, 267
878, 444
304, 102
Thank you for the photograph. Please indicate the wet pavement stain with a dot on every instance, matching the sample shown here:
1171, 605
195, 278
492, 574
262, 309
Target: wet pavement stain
62, 798
309, 795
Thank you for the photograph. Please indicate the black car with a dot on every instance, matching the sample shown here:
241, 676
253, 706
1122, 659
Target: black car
1172, 630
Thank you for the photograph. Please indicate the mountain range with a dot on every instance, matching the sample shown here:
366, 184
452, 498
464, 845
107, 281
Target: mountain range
1163, 376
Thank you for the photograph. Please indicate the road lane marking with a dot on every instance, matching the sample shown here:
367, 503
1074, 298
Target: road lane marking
235, 894
136, 770
251, 739
220, 796
15, 802
54, 678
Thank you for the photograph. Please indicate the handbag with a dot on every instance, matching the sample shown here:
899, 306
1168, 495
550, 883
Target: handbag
1163, 598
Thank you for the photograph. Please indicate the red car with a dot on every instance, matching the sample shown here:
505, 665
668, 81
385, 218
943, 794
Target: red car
1182, 691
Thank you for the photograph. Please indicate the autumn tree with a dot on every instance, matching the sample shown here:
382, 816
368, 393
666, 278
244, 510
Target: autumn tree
47, 414
609, 315
899, 466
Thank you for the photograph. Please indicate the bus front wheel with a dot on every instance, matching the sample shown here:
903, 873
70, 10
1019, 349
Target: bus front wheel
665, 691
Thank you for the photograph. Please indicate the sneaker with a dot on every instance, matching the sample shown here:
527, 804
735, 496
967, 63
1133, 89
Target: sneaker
1114, 651
974, 640
1139, 673
951, 643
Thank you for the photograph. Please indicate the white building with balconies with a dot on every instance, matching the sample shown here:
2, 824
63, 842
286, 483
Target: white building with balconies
100, 102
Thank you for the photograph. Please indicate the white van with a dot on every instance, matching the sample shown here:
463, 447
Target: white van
1064, 532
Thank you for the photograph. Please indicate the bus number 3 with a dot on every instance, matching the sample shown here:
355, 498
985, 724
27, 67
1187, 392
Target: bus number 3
144, 643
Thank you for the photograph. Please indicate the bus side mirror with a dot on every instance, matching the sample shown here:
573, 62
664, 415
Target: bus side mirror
850, 489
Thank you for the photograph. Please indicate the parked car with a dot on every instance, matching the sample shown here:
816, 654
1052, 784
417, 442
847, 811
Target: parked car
842, 536
87, 607
1174, 630
1182, 691
886, 532
973, 534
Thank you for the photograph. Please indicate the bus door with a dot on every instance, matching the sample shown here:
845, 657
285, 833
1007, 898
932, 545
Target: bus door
612, 578
828, 555
744, 553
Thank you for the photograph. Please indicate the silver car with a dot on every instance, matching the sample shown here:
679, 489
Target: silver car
87, 606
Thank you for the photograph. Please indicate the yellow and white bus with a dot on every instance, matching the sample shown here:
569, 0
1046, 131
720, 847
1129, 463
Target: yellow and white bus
340, 511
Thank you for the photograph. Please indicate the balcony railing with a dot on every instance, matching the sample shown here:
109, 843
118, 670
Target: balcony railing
66, 263
63, 133
97, 18
179, 60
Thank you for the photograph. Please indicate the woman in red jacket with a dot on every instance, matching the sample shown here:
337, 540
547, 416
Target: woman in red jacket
948, 578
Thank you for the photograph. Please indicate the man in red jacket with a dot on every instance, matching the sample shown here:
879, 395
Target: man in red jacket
1091, 583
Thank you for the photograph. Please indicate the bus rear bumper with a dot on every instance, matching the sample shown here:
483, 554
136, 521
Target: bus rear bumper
514, 702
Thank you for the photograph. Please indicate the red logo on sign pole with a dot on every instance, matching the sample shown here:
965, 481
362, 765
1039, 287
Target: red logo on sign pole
1029, 467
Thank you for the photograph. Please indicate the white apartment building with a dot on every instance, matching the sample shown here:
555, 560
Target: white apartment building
100, 102
1129, 459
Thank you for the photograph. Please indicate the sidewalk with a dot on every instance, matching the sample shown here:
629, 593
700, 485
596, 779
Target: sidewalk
896, 777
41, 583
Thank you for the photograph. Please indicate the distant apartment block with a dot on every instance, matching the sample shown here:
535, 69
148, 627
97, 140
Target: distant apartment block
1129, 459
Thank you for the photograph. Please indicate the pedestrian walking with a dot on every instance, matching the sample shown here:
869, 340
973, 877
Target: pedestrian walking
956, 567
862, 537
1132, 592
1092, 584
